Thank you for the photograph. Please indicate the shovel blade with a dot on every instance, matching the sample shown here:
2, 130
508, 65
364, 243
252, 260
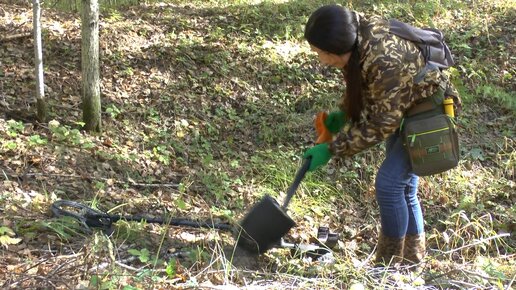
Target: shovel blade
264, 226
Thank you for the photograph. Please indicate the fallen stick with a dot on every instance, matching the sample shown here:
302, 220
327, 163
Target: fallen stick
15, 36
481, 241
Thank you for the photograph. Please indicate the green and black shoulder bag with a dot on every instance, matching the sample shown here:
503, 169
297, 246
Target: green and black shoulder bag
430, 136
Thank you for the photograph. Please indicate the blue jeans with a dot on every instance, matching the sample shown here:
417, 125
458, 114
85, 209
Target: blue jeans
396, 192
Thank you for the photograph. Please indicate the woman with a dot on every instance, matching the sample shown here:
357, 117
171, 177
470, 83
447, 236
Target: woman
380, 71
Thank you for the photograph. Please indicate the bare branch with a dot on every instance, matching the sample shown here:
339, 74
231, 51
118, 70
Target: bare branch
15, 36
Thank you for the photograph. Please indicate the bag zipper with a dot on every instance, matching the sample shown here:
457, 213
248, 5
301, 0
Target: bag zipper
412, 137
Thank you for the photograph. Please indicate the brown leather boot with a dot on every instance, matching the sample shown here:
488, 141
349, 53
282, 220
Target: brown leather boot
414, 249
389, 251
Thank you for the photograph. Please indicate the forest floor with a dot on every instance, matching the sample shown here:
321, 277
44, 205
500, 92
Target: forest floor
206, 107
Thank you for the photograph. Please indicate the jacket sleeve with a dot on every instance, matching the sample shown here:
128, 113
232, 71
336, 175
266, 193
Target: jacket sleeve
389, 81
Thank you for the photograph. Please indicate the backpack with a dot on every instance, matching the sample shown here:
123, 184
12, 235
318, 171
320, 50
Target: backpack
429, 133
429, 40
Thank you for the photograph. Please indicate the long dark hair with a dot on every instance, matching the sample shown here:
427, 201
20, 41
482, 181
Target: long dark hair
334, 29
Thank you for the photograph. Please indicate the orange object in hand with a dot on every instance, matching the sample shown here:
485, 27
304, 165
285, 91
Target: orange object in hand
323, 134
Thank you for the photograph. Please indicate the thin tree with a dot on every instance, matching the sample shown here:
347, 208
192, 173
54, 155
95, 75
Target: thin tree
91, 105
38, 60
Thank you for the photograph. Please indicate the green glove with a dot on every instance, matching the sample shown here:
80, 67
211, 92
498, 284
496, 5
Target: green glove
335, 121
320, 155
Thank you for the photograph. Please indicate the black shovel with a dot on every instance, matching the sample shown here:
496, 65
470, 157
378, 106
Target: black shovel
266, 223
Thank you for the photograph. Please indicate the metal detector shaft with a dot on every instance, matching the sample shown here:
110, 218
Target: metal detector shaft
171, 221
90, 217
297, 180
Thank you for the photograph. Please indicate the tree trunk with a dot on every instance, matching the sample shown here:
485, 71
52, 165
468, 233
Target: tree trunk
38, 61
91, 106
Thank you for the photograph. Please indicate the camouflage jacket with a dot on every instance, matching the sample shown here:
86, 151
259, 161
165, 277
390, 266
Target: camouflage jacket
389, 67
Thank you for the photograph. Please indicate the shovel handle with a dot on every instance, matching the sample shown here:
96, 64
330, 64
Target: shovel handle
297, 180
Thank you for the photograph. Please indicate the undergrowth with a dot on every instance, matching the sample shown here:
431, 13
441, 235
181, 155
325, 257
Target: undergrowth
208, 106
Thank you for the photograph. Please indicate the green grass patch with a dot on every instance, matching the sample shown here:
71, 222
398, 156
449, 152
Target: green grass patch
209, 106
